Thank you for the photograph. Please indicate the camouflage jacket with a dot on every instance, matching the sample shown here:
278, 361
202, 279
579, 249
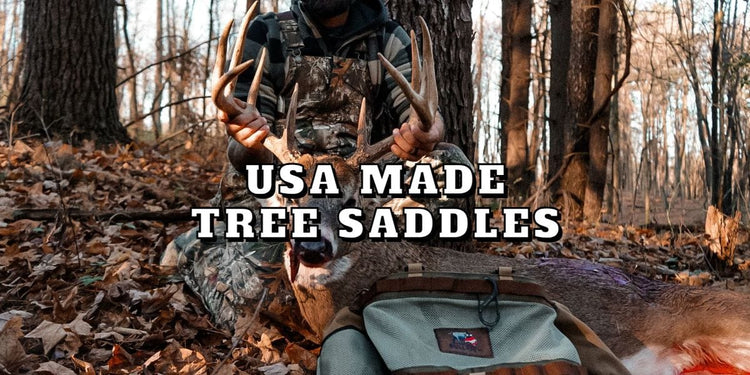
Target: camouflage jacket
368, 31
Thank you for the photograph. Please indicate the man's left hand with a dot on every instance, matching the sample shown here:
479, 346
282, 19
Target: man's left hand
411, 143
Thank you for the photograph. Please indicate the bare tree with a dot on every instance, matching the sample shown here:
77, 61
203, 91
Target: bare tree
68, 84
599, 131
514, 108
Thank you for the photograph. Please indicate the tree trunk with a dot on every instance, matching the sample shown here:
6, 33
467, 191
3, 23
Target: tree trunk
599, 132
451, 28
478, 78
158, 75
558, 89
716, 128
68, 84
516, 77
583, 47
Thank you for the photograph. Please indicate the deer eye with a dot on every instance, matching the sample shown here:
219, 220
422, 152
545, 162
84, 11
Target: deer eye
351, 202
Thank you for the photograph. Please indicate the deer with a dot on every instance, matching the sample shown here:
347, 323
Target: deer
655, 328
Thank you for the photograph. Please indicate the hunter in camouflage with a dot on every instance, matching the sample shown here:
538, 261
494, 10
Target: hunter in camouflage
334, 68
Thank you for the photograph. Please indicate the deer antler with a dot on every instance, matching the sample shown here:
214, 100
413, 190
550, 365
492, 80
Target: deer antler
424, 104
284, 148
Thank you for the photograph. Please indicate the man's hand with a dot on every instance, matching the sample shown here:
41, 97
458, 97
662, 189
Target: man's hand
248, 128
411, 143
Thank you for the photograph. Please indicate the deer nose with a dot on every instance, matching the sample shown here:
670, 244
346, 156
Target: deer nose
314, 253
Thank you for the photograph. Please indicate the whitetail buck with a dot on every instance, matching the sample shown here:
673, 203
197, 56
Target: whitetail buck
654, 327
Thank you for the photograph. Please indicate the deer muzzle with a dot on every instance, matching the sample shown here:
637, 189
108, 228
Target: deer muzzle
311, 254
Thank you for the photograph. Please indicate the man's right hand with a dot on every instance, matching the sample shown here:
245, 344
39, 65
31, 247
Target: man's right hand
248, 128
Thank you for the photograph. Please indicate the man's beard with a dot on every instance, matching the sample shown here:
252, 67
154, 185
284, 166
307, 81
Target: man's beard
322, 9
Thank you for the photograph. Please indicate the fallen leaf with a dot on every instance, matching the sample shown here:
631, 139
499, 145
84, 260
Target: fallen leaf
120, 359
85, 367
298, 354
274, 369
50, 333
177, 360
53, 368
12, 354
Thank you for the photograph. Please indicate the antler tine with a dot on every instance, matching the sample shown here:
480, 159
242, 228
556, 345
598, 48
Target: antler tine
285, 148
291, 123
423, 103
239, 46
252, 95
222, 100
363, 131
416, 72
429, 89
365, 152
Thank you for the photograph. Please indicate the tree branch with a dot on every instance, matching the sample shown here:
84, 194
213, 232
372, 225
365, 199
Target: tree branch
168, 59
147, 115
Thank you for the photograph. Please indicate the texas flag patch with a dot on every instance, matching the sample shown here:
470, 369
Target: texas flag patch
474, 342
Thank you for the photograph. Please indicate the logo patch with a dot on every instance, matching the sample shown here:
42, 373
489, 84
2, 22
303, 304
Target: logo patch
473, 342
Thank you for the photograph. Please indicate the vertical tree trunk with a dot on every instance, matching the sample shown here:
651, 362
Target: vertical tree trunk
478, 78
615, 137
599, 132
516, 45
68, 85
133, 95
451, 28
583, 47
558, 95
158, 75
539, 74
716, 128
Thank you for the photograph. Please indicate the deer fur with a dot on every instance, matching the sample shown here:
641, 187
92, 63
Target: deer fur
654, 327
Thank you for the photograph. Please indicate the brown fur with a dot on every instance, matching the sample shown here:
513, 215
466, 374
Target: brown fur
628, 312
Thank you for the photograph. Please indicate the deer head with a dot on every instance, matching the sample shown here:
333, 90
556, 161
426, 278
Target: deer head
421, 92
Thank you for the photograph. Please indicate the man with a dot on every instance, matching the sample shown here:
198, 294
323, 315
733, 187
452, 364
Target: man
330, 50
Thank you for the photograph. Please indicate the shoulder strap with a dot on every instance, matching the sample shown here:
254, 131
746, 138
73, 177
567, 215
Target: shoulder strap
344, 319
291, 40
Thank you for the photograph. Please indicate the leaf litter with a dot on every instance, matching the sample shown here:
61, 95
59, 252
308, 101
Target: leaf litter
86, 295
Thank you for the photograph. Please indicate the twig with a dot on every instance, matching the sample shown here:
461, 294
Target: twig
168, 59
167, 216
244, 332
147, 115
560, 172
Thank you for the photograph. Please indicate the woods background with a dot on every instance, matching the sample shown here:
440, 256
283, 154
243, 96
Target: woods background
616, 107
632, 116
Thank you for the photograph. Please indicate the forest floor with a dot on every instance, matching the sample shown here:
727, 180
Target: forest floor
83, 292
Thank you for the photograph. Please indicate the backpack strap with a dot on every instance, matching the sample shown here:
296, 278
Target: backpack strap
344, 319
291, 40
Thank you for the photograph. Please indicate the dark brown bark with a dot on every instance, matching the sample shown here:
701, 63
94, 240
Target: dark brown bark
451, 28
452, 33
599, 131
583, 47
515, 92
716, 127
558, 96
68, 84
